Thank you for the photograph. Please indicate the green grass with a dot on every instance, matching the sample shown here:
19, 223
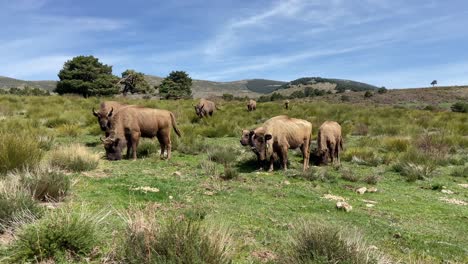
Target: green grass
261, 209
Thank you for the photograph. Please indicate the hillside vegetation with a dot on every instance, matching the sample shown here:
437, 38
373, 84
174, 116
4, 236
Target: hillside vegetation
209, 204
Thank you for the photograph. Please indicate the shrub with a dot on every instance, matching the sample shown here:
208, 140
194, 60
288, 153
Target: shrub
460, 172
63, 236
317, 243
46, 142
345, 98
372, 179
223, 155
15, 202
459, 107
74, 158
146, 148
44, 183
368, 94
382, 90
192, 145
209, 168
395, 144
18, 151
348, 175
360, 129
179, 241
316, 174
229, 173
414, 172
362, 156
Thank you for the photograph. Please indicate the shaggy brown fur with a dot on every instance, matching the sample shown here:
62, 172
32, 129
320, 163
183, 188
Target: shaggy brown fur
106, 108
329, 142
251, 105
205, 108
279, 134
130, 123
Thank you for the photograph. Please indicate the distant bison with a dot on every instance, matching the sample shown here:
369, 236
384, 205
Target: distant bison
130, 123
329, 143
106, 109
205, 108
251, 105
286, 104
279, 134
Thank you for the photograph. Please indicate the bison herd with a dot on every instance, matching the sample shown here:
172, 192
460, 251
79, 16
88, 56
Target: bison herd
124, 125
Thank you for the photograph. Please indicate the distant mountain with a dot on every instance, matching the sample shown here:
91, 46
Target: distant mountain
6, 82
251, 88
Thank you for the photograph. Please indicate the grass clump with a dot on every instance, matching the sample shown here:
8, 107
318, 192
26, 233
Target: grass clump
348, 175
230, 173
395, 144
460, 172
179, 241
192, 145
362, 156
146, 148
64, 236
15, 202
223, 155
74, 157
372, 179
44, 183
318, 243
46, 142
69, 130
18, 151
413, 172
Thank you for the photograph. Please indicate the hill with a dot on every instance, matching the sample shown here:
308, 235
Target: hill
328, 84
6, 82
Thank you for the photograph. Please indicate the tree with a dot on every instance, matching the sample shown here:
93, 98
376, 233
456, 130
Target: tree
176, 85
434, 82
459, 107
368, 94
382, 90
135, 82
86, 76
228, 97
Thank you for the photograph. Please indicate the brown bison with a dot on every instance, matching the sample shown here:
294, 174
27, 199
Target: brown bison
130, 123
329, 143
279, 134
251, 105
205, 108
106, 109
286, 104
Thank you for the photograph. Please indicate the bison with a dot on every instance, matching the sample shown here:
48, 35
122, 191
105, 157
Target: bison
279, 134
130, 123
106, 109
205, 108
286, 104
329, 143
251, 105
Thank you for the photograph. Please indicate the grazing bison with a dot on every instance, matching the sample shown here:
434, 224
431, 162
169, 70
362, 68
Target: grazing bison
279, 134
251, 105
286, 104
329, 143
106, 109
130, 123
205, 108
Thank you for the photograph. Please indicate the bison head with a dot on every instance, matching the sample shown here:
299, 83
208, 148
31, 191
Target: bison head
262, 145
246, 138
104, 119
113, 148
199, 110
319, 157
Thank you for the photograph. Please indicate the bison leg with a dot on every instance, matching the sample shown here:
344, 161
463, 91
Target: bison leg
284, 157
135, 141
272, 160
332, 153
305, 154
129, 145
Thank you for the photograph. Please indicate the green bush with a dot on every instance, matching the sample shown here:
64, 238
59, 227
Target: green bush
64, 236
44, 183
460, 107
318, 243
73, 158
185, 241
192, 145
348, 175
413, 172
18, 151
229, 173
146, 148
223, 155
460, 172
395, 144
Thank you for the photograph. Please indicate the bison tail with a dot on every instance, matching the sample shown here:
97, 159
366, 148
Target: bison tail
173, 121
341, 143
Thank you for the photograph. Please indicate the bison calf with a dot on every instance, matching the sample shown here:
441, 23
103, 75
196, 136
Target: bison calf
205, 108
329, 143
130, 123
279, 134
251, 105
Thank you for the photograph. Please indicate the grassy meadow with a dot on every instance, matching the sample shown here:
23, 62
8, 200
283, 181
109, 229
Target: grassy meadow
62, 201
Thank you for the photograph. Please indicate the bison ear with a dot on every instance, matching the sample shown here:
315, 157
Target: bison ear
95, 113
116, 141
251, 133
268, 136
110, 112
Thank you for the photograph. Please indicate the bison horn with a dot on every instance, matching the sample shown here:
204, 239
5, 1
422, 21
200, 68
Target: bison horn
110, 112
94, 112
102, 140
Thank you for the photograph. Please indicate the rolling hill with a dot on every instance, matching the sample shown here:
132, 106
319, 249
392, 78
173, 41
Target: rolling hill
6, 82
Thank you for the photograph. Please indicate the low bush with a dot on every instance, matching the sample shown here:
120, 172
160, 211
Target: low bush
459, 107
413, 172
362, 156
74, 158
318, 243
395, 144
63, 236
192, 145
223, 155
146, 148
372, 179
44, 183
46, 142
179, 241
348, 175
460, 172
229, 173
18, 151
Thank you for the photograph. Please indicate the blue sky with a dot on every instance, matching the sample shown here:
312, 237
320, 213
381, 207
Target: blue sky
392, 43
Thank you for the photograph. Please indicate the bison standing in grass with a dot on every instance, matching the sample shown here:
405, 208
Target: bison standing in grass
205, 108
251, 105
130, 123
106, 109
279, 134
329, 143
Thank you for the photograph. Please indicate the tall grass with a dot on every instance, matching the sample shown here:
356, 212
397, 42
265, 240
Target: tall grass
18, 150
74, 157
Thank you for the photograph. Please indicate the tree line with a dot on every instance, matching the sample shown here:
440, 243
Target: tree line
87, 76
